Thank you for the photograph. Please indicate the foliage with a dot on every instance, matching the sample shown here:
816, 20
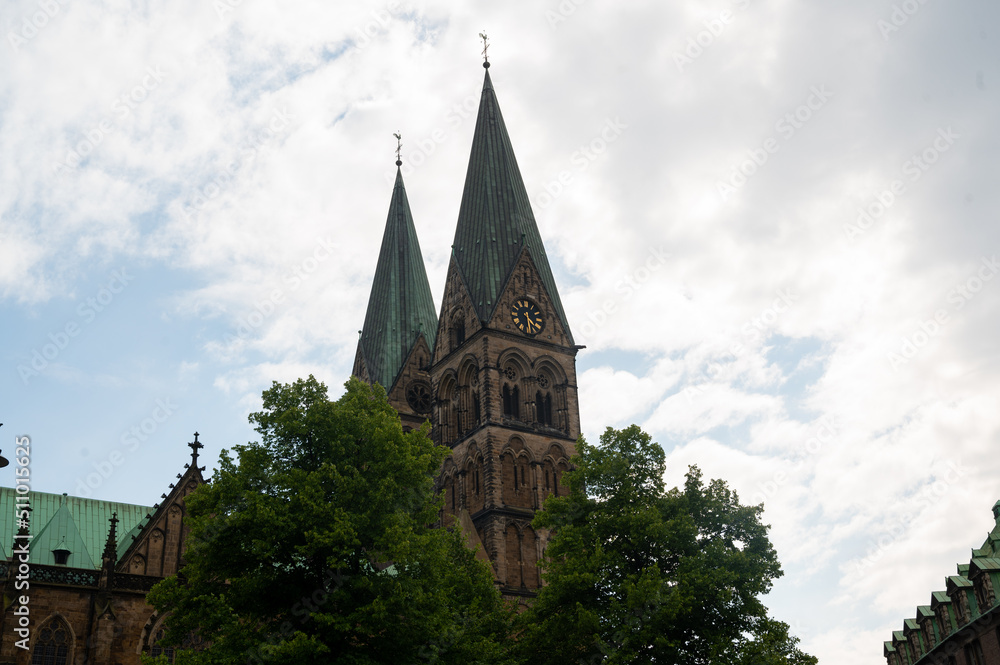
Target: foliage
290, 545
639, 574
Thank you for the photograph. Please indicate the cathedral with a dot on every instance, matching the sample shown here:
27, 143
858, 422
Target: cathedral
493, 371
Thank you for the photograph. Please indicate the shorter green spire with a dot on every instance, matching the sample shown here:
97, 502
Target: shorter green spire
400, 307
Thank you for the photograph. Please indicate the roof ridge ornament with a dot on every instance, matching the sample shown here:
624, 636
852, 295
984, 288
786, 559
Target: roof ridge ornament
195, 445
399, 147
486, 45
111, 544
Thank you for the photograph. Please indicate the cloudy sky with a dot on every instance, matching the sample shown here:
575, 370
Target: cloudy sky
769, 221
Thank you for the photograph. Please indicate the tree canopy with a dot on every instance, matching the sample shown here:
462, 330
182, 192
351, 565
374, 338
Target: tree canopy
315, 545
639, 574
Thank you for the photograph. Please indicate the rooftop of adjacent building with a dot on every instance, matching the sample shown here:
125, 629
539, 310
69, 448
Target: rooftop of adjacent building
984, 559
74, 531
68, 523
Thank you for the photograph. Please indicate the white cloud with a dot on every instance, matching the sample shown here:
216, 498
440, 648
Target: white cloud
654, 264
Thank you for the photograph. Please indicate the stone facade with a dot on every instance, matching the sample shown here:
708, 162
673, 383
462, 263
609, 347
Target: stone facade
507, 405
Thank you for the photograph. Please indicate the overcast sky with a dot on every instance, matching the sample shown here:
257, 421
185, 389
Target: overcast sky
772, 225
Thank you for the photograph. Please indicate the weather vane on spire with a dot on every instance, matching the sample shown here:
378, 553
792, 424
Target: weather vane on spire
486, 45
399, 147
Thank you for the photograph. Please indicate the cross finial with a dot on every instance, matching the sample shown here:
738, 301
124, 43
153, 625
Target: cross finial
112, 542
399, 147
486, 45
195, 445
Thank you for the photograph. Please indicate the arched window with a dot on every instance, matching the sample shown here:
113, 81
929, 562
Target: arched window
158, 650
190, 642
543, 408
52, 647
476, 414
457, 331
447, 429
511, 399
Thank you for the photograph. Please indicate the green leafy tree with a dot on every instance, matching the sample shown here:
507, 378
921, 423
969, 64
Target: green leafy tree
315, 545
639, 574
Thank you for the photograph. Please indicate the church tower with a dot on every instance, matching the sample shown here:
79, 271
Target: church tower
400, 326
504, 364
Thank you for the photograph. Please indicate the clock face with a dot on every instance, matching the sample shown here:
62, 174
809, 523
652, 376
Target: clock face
527, 316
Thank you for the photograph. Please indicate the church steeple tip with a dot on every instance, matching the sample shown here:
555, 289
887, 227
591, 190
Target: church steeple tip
399, 149
495, 220
400, 307
486, 57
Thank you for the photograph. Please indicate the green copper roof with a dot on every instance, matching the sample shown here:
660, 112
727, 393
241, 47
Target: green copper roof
81, 525
985, 563
959, 581
400, 307
939, 597
61, 533
495, 221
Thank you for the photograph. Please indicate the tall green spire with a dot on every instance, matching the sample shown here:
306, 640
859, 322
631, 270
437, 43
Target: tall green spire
495, 221
400, 307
